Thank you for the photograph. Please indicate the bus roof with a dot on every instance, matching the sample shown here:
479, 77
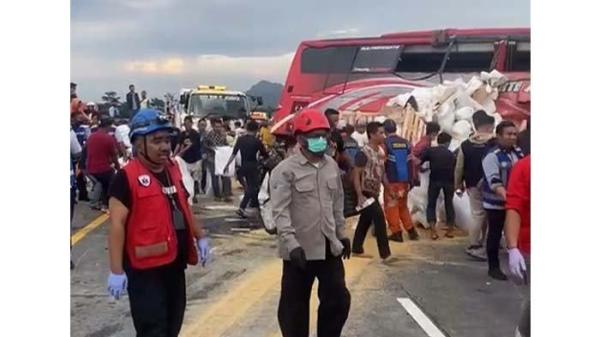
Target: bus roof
428, 36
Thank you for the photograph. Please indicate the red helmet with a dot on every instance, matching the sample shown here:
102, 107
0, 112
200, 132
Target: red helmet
309, 120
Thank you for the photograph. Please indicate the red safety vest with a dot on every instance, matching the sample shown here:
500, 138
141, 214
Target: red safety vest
150, 235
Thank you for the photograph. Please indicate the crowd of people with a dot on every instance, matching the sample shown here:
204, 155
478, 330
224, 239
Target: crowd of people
324, 174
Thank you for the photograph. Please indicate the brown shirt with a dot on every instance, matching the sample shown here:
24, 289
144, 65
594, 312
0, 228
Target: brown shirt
308, 206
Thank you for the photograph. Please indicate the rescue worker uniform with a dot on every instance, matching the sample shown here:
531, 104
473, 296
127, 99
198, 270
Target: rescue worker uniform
159, 241
159, 244
395, 195
307, 209
497, 165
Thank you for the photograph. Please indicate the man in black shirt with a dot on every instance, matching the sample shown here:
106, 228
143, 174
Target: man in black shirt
441, 165
468, 174
250, 146
189, 150
202, 134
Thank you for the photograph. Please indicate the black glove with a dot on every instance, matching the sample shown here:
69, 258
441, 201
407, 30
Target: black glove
298, 258
346, 252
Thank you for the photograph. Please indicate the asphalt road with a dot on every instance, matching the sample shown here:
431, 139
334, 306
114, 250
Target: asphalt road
434, 289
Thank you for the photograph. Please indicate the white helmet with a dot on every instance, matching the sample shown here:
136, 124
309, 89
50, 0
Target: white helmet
91, 104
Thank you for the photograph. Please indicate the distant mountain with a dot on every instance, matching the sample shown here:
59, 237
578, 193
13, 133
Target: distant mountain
269, 91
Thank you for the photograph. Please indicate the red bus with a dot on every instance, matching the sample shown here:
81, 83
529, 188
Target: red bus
362, 74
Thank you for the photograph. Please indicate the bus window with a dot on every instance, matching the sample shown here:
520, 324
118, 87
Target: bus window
519, 58
326, 67
464, 57
370, 59
337, 60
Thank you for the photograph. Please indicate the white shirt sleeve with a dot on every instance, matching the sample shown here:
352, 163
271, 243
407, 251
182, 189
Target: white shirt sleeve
75, 147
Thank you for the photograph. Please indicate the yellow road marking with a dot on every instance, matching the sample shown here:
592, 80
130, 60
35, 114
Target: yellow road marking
221, 315
263, 283
75, 238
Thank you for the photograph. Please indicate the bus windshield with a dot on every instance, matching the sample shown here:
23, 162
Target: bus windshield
218, 105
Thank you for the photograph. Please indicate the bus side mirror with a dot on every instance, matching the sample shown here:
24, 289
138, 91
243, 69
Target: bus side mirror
183, 99
259, 100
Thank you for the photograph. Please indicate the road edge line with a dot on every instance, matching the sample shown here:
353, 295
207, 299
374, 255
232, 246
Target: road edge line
85, 230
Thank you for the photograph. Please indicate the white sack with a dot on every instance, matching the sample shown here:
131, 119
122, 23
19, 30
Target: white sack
461, 130
188, 181
462, 212
446, 122
222, 154
464, 113
264, 202
417, 201
454, 144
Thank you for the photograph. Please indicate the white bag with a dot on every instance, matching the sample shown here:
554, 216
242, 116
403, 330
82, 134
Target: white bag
464, 113
463, 218
264, 203
461, 130
446, 122
188, 181
222, 154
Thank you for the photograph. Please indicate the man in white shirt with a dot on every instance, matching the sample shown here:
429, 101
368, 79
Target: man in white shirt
122, 137
360, 133
145, 103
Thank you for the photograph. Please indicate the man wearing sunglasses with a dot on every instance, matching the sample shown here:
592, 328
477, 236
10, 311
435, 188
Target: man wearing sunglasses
153, 235
308, 203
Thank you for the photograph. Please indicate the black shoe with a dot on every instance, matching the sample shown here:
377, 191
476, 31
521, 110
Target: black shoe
413, 235
241, 214
195, 199
397, 237
72, 265
497, 274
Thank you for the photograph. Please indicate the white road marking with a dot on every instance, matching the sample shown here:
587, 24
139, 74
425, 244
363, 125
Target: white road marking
424, 322
220, 207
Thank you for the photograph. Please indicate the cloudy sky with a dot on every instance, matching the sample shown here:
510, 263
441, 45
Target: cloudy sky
165, 45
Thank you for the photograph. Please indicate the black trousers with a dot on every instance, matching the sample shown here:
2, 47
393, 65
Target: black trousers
82, 187
433, 191
495, 228
204, 174
104, 179
372, 215
73, 201
157, 300
249, 173
334, 298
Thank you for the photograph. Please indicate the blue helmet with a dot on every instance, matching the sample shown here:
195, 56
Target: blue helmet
148, 121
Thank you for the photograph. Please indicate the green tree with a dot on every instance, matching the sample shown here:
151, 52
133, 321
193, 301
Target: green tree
110, 97
157, 103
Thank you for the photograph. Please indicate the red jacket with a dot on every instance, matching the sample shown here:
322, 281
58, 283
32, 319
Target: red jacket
518, 198
150, 234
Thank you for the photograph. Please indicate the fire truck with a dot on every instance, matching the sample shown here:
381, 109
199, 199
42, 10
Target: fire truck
214, 101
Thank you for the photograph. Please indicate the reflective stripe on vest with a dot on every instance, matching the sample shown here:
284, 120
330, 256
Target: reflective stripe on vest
489, 196
396, 165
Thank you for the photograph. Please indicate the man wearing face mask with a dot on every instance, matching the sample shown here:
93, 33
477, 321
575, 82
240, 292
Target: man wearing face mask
308, 202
